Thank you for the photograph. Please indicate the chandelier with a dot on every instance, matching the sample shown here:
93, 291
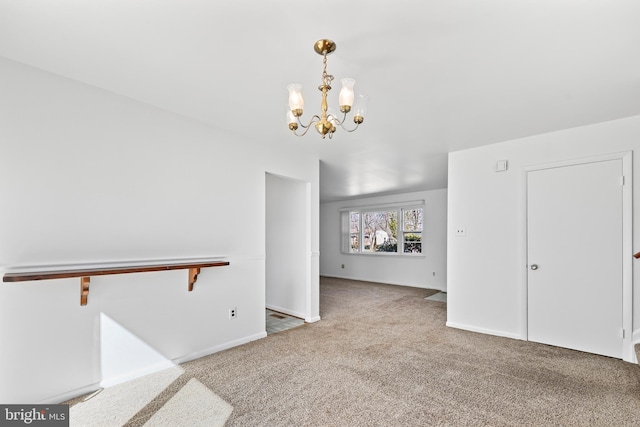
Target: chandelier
328, 120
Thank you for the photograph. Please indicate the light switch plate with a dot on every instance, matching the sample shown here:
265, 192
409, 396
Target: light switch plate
501, 166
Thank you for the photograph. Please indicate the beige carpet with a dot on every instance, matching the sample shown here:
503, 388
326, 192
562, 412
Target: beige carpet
381, 356
114, 406
194, 405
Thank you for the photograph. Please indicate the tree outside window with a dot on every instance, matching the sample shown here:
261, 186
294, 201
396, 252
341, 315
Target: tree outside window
380, 231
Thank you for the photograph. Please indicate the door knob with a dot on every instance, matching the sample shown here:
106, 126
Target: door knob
534, 266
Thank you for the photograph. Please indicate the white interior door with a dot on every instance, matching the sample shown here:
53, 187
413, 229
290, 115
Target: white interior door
574, 238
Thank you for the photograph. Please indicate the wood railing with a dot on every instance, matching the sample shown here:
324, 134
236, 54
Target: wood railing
86, 273
637, 255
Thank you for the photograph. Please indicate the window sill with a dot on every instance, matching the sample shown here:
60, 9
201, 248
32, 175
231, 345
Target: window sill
385, 254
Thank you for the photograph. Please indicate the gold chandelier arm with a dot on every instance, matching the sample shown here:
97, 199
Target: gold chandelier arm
342, 122
306, 128
314, 119
338, 121
349, 130
303, 133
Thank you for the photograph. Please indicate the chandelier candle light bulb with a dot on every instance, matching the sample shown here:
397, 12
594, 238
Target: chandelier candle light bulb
346, 94
296, 103
327, 122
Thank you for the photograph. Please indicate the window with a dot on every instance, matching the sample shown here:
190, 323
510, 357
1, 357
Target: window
354, 231
393, 229
380, 231
412, 230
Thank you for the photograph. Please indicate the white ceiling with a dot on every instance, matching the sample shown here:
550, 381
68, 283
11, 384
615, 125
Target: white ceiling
442, 75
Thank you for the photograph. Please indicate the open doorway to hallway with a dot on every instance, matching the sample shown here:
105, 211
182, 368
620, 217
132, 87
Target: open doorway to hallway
279, 322
287, 248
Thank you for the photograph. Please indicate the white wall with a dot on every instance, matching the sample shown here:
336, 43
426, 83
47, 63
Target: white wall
287, 245
88, 176
486, 275
394, 269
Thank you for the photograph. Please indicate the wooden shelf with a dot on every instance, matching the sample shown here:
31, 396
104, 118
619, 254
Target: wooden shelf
86, 273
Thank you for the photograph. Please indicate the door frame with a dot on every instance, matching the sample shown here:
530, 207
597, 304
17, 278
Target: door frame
303, 230
628, 354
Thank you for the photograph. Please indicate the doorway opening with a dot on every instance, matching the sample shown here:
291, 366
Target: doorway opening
287, 247
279, 322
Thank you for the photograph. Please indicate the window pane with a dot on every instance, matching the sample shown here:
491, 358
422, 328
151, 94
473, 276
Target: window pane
412, 243
412, 219
354, 231
380, 231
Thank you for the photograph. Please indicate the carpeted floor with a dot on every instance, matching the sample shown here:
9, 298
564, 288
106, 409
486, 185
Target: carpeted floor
382, 356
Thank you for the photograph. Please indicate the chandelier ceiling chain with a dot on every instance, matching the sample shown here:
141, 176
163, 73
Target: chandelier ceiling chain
326, 78
327, 121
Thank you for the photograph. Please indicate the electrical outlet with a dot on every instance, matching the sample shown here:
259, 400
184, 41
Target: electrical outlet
342, 266
233, 313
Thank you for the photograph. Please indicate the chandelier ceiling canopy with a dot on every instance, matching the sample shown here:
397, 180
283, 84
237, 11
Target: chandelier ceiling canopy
327, 122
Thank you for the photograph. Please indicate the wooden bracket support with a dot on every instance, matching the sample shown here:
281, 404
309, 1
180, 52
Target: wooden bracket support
193, 277
84, 290
637, 255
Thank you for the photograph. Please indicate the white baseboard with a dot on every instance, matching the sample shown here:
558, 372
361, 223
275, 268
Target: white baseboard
202, 353
312, 319
68, 395
132, 375
362, 279
485, 331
